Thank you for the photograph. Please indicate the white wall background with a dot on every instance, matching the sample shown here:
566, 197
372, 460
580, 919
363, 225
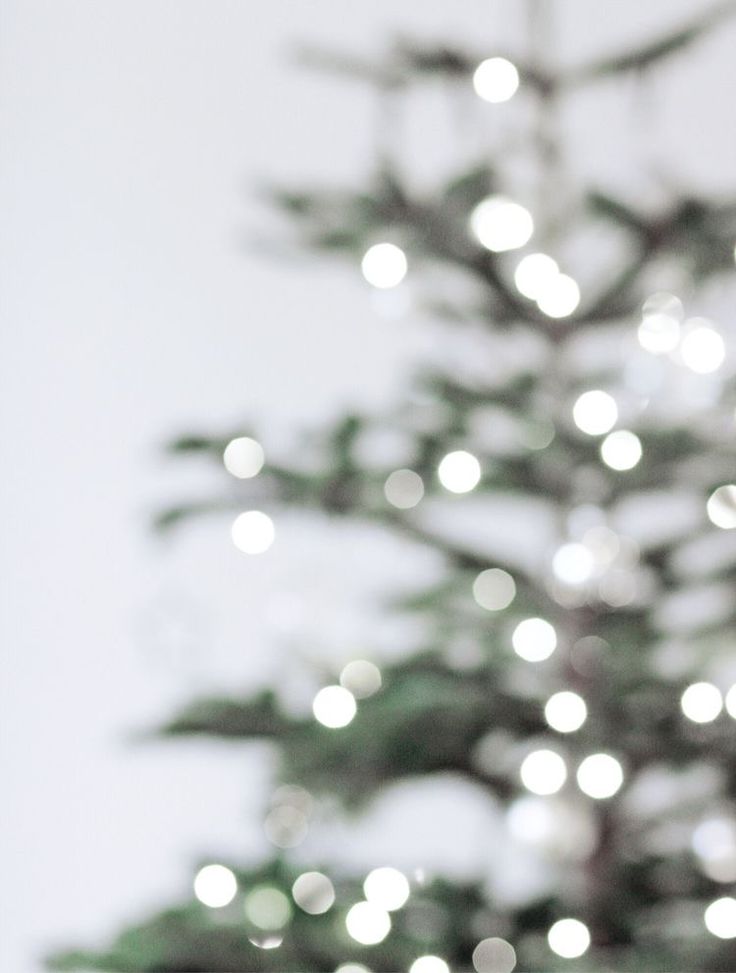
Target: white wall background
132, 133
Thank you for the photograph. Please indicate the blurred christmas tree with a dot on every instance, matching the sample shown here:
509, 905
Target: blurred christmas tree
578, 681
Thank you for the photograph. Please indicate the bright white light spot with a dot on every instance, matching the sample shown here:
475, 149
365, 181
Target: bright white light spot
368, 923
313, 892
495, 80
243, 457
731, 701
702, 348
387, 888
352, 968
600, 776
267, 907
494, 589
534, 639
534, 274
266, 942
721, 507
500, 224
573, 564
559, 297
659, 331
459, 472
361, 678
595, 412
621, 450
569, 938
215, 886
720, 918
252, 532
384, 265
494, 955
701, 702
334, 706
429, 964
543, 772
404, 489
565, 712
714, 842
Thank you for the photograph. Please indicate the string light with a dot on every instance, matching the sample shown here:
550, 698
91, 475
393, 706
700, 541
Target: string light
243, 457
384, 265
565, 711
702, 348
215, 886
720, 918
252, 532
496, 80
334, 707
494, 955
621, 450
387, 888
659, 331
404, 489
595, 412
267, 907
352, 968
494, 589
313, 892
534, 273
459, 471
361, 678
429, 964
500, 224
701, 702
569, 938
721, 507
600, 776
368, 923
543, 772
573, 564
559, 296
534, 639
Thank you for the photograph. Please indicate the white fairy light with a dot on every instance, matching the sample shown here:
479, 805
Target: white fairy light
559, 296
701, 702
367, 923
600, 775
534, 273
573, 564
387, 888
496, 80
534, 639
267, 907
621, 450
361, 678
720, 918
459, 471
731, 701
714, 842
543, 772
595, 412
384, 265
702, 348
252, 532
313, 892
494, 589
429, 964
721, 507
494, 955
659, 331
334, 706
215, 886
501, 224
266, 942
352, 968
569, 938
243, 457
403, 489
565, 711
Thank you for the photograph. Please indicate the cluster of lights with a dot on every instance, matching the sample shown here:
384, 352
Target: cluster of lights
595, 413
253, 531
496, 80
663, 331
386, 890
544, 772
538, 277
335, 706
499, 224
601, 562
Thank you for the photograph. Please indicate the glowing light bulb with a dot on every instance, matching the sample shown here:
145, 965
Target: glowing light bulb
267, 907
368, 923
569, 938
543, 772
215, 886
459, 471
404, 489
595, 412
565, 711
721, 507
429, 964
600, 776
702, 348
494, 955
361, 678
534, 273
659, 331
559, 296
701, 702
494, 589
243, 457
720, 918
534, 639
500, 224
387, 888
334, 707
496, 80
314, 893
573, 564
252, 532
384, 265
621, 450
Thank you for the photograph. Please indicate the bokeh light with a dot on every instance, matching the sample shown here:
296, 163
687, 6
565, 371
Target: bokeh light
334, 706
501, 224
494, 955
721, 507
494, 589
731, 701
267, 907
714, 842
701, 702
403, 489
243, 457
720, 918
573, 564
702, 348
496, 80
252, 532
565, 711
621, 450
429, 964
559, 296
569, 938
386, 887
459, 471
313, 892
600, 775
534, 273
361, 678
543, 772
215, 886
595, 412
659, 331
384, 265
534, 639
367, 923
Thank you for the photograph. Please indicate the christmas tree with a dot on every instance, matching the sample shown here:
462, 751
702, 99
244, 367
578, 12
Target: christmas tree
569, 476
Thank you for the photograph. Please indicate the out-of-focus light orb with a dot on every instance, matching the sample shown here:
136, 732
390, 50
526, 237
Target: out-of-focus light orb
731, 701
243, 457
720, 918
252, 532
721, 507
215, 886
501, 224
659, 331
534, 273
384, 265
286, 827
494, 589
352, 968
459, 471
266, 942
496, 80
386, 887
534, 639
621, 450
701, 702
404, 489
532, 821
559, 297
313, 892
600, 775
494, 955
543, 772
714, 842
267, 907
573, 564
565, 711
361, 678
429, 964
595, 412
368, 923
569, 938
702, 348
334, 706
